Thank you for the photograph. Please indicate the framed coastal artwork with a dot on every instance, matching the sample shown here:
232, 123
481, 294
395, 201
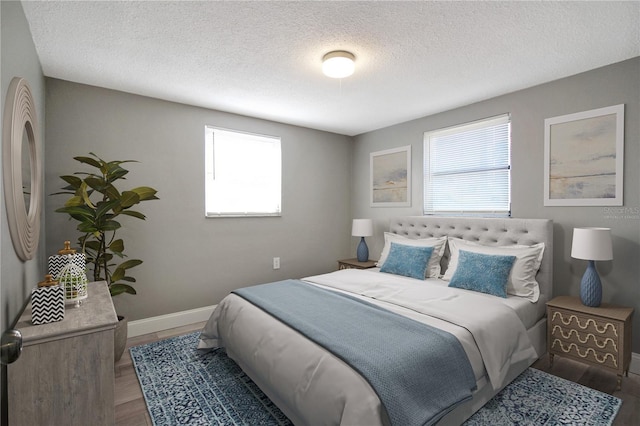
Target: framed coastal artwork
583, 158
390, 172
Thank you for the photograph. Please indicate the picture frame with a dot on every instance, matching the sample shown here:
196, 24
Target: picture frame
390, 177
584, 158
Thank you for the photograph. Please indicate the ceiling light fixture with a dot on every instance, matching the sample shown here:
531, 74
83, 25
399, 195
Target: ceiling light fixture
338, 64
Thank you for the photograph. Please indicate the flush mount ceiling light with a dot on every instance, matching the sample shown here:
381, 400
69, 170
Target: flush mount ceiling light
338, 64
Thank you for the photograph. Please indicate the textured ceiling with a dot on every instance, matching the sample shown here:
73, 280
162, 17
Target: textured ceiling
263, 59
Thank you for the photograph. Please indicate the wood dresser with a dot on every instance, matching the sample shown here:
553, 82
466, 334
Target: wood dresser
597, 336
65, 374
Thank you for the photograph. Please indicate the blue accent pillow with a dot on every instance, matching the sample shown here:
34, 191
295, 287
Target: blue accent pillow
408, 261
485, 273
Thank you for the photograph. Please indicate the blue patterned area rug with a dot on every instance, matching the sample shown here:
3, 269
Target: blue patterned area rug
538, 398
185, 386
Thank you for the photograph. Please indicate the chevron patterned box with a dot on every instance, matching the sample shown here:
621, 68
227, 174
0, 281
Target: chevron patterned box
57, 262
47, 304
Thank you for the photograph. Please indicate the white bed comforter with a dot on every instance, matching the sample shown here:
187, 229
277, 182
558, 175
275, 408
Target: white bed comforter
312, 386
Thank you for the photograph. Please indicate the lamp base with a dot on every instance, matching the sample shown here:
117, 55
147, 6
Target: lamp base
363, 251
590, 287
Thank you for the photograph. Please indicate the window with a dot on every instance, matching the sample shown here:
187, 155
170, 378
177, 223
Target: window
243, 174
467, 169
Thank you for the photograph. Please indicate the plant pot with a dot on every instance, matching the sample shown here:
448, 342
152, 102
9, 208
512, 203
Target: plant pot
120, 338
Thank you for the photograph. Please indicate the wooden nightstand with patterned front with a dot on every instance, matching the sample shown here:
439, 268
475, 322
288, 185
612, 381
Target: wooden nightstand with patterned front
597, 336
354, 264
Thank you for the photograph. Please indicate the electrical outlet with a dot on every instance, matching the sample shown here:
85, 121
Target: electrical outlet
276, 263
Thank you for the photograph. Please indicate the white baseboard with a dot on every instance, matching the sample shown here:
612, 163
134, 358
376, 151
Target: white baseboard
634, 366
166, 322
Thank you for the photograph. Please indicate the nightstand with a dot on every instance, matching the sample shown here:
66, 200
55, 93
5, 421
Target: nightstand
64, 375
354, 264
597, 336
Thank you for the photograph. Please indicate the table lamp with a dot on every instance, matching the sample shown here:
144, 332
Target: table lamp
362, 228
591, 244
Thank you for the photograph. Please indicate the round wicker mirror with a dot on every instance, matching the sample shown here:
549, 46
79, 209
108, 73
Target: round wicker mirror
20, 139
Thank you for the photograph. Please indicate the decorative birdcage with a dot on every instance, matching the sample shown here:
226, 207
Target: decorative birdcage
74, 281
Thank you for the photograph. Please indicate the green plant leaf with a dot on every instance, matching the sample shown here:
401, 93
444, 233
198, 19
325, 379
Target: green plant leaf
120, 272
105, 255
96, 183
116, 289
134, 214
89, 160
77, 210
73, 181
74, 201
146, 193
116, 163
110, 225
129, 198
114, 171
117, 246
68, 192
87, 227
129, 264
78, 218
91, 245
117, 275
85, 195
103, 208
111, 192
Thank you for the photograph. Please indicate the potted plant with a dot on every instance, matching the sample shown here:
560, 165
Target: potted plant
98, 206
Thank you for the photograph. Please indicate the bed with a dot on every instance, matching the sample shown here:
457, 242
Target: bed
500, 336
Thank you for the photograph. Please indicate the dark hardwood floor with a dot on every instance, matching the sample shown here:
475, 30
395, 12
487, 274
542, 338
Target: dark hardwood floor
130, 408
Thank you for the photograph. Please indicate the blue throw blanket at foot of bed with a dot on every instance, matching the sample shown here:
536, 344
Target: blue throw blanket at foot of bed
419, 372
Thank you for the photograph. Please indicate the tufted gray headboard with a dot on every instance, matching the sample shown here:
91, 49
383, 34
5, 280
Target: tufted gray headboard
487, 231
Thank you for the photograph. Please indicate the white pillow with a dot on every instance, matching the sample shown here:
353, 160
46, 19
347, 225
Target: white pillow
522, 279
433, 269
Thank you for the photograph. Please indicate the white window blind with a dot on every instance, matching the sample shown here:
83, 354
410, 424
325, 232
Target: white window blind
467, 169
243, 174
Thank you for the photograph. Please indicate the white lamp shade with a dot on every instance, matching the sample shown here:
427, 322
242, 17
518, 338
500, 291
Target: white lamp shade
362, 228
592, 244
338, 64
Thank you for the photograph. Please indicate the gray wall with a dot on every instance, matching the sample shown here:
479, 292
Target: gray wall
611, 85
18, 58
191, 261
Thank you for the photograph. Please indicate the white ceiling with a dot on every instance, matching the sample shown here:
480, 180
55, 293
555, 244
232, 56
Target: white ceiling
263, 59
